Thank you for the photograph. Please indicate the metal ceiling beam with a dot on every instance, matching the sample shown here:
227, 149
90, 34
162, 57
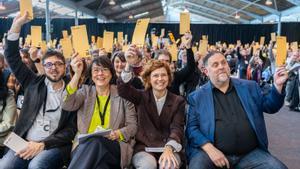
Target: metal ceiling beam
286, 12
271, 10
195, 18
84, 2
148, 5
153, 13
73, 5
236, 9
209, 16
7, 12
295, 2
220, 14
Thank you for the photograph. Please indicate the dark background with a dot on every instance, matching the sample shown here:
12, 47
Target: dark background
228, 33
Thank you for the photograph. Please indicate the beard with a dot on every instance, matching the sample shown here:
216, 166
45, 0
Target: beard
54, 80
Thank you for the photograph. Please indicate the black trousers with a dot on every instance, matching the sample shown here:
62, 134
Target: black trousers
96, 153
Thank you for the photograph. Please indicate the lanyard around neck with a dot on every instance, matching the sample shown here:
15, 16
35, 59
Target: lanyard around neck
102, 115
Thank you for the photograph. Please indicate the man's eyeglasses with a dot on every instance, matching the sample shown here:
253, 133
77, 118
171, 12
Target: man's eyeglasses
49, 65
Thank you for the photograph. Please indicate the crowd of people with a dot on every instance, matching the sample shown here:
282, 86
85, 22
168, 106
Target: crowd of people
201, 111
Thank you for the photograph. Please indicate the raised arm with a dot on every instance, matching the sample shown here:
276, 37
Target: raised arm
181, 75
21, 71
74, 98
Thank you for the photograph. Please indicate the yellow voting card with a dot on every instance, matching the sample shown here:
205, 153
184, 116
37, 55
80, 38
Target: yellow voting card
36, 36
273, 36
26, 5
67, 47
184, 23
108, 41
120, 38
99, 42
173, 50
281, 50
80, 40
139, 33
262, 40
65, 34
203, 47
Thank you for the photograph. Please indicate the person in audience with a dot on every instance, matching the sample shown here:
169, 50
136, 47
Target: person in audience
100, 106
47, 128
8, 109
119, 63
243, 60
160, 116
2, 62
292, 98
225, 126
180, 76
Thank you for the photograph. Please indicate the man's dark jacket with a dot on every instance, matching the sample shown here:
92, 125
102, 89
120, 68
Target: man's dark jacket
35, 92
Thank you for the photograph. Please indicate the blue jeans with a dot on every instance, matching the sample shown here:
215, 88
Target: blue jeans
47, 159
256, 159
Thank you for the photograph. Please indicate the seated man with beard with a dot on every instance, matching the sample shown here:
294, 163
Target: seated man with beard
47, 128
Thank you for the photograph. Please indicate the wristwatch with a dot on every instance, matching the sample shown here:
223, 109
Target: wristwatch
37, 60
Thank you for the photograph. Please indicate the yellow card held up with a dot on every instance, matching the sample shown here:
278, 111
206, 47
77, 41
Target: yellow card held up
154, 40
273, 36
140, 30
80, 40
281, 50
26, 5
93, 39
36, 36
108, 41
184, 23
28, 40
294, 46
65, 34
120, 38
66, 47
173, 50
44, 46
99, 42
194, 48
262, 40
203, 47
172, 38
125, 48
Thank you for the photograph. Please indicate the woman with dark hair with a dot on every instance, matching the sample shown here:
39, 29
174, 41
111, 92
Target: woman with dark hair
8, 109
119, 62
100, 107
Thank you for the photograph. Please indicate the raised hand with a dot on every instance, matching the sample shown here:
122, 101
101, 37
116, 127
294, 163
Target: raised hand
132, 55
77, 64
280, 77
188, 43
18, 22
33, 52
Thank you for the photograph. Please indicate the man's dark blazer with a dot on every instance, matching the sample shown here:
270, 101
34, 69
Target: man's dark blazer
201, 114
34, 96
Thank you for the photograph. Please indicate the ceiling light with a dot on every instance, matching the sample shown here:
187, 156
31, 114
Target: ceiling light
269, 2
112, 2
2, 7
131, 4
237, 16
141, 15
